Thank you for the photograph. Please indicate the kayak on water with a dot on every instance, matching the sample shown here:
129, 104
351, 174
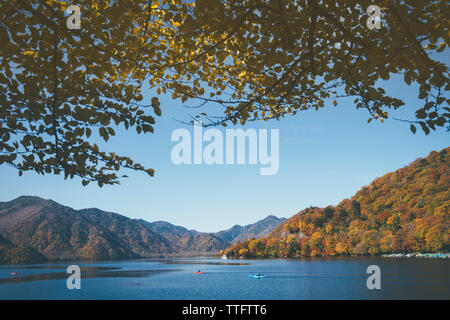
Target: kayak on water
198, 272
257, 276
14, 273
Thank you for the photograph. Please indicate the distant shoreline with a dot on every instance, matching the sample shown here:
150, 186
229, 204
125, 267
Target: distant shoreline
438, 255
82, 261
442, 255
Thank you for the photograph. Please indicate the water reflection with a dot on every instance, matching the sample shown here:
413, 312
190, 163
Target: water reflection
87, 273
213, 263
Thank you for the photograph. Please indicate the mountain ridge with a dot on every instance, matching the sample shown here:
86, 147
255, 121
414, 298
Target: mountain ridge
255, 230
37, 229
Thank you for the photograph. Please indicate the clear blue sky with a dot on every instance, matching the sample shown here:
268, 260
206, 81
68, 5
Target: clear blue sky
325, 156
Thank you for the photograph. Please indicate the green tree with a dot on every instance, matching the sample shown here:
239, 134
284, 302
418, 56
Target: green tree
356, 208
328, 212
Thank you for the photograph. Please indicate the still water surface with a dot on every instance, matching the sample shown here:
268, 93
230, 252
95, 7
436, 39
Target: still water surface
330, 278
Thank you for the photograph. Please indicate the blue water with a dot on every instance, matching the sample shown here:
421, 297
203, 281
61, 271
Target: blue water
331, 278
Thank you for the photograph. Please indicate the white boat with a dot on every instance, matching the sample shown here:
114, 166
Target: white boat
224, 257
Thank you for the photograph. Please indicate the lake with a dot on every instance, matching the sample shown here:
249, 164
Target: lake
314, 278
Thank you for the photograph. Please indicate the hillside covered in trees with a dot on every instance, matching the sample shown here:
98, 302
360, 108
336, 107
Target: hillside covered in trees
403, 211
33, 230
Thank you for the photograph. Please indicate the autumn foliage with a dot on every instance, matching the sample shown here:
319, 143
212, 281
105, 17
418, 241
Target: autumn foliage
64, 93
407, 210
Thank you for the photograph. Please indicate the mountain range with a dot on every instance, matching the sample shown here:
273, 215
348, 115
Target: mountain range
407, 210
255, 230
33, 230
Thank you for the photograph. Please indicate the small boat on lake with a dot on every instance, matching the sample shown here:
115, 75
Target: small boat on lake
257, 276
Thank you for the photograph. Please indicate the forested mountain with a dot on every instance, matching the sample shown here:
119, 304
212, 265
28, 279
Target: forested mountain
187, 241
255, 230
34, 230
169, 231
60, 232
130, 233
12, 254
193, 241
407, 210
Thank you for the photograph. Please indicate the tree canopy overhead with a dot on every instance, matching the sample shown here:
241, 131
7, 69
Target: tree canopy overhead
255, 59
275, 58
60, 85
